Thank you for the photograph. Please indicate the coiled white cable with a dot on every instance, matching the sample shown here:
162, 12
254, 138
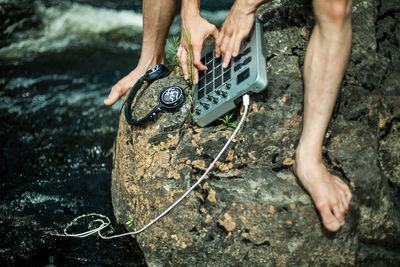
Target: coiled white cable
107, 222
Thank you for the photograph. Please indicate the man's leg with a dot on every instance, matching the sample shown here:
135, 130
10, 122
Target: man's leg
325, 62
157, 19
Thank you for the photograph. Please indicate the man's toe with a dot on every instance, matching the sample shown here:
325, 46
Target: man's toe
328, 218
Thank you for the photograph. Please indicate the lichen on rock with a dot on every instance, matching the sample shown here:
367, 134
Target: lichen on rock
251, 210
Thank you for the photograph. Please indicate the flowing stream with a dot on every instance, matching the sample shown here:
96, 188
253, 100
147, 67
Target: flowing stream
56, 136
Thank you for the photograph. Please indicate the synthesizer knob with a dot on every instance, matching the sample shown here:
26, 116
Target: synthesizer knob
209, 98
228, 86
205, 105
198, 111
218, 92
224, 94
215, 100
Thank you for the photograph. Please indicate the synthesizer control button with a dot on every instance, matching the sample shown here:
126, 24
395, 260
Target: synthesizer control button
200, 93
218, 61
218, 81
237, 58
209, 56
198, 111
209, 66
201, 83
218, 92
247, 61
237, 67
209, 88
218, 70
227, 75
201, 74
215, 100
210, 98
247, 50
224, 94
243, 75
205, 105
228, 86
209, 77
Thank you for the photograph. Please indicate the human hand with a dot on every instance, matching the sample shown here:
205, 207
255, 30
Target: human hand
194, 31
236, 27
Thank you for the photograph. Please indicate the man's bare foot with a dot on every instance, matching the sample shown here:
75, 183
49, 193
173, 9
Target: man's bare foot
126, 83
330, 194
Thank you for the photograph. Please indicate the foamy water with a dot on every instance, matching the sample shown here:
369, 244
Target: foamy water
82, 25
74, 25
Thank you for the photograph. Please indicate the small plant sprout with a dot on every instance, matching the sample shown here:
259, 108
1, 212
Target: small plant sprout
188, 40
226, 122
130, 222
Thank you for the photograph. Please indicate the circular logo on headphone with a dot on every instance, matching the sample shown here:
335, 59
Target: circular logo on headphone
171, 95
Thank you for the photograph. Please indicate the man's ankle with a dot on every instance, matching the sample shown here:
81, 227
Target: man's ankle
309, 153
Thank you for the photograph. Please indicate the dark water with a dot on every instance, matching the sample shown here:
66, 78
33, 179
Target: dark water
57, 63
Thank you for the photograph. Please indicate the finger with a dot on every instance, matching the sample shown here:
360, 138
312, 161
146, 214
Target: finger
224, 47
196, 57
215, 32
228, 53
236, 46
195, 76
114, 95
218, 44
183, 61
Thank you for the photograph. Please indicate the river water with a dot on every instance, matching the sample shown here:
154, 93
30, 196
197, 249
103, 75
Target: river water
57, 65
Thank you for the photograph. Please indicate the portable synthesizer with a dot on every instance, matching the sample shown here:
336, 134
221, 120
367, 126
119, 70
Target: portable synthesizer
219, 89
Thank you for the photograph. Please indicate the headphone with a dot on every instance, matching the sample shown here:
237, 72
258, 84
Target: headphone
169, 99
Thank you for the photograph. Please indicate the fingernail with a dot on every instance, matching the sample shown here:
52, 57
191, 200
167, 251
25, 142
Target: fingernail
335, 225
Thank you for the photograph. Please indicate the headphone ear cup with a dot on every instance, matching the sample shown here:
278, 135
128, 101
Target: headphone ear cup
172, 97
158, 71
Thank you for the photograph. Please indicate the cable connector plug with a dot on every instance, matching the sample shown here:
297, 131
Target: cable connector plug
246, 100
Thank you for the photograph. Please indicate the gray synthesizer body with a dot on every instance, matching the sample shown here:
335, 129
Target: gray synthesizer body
219, 89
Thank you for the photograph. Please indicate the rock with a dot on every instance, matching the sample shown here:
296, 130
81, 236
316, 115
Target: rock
251, 210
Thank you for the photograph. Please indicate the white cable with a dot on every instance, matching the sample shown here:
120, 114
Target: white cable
246, 102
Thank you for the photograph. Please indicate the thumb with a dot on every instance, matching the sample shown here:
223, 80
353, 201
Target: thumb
215, 32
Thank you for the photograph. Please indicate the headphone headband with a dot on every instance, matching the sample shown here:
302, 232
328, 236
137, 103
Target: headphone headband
170, 98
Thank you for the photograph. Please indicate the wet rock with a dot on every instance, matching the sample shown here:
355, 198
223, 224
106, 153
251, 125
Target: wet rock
251, 210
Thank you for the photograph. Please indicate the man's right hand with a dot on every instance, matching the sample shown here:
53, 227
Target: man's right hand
198, 30
236, 27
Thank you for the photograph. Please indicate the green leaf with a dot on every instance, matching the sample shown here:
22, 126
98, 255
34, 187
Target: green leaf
130, 222
221, 127
231, 124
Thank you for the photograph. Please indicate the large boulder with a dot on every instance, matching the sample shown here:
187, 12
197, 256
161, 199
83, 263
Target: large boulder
251, 210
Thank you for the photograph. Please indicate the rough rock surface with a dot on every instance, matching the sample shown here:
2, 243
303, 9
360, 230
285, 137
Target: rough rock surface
251, 210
